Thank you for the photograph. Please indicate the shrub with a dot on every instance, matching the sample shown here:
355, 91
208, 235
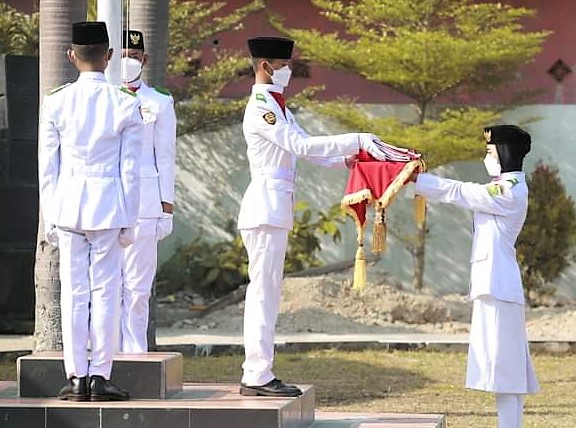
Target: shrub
545, 244
215, 269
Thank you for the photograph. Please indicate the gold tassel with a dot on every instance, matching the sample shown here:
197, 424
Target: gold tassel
360, 269
420, 209
379, 232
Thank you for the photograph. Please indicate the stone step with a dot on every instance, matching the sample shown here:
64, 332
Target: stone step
377, 420
195, 406
148, 376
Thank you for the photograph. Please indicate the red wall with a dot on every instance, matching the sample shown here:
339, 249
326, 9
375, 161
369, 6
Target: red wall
559, 17
27, 6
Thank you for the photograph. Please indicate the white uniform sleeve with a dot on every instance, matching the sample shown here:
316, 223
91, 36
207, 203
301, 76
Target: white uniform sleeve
130, 152
48, 158
492, 198
165, 150
289, 138
330, 162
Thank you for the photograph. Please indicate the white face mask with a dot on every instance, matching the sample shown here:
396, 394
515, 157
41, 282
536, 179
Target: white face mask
492, 166
130, 69
281, 76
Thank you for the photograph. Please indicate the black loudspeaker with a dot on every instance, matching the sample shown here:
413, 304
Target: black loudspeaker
18, 229
18, 216
19, 164
19, 86
16, 290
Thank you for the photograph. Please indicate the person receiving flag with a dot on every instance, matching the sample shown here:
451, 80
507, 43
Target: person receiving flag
498, 356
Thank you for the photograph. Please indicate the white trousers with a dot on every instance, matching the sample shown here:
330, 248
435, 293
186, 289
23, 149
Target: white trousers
90, 277
266, 247
138, 270
510, 409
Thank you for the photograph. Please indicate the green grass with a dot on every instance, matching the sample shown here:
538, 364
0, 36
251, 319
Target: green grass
404, 382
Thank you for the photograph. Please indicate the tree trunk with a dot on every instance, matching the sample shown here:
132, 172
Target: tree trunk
56, 18
419, 251
151, 17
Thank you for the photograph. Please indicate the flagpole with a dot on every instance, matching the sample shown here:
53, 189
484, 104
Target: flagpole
110, 11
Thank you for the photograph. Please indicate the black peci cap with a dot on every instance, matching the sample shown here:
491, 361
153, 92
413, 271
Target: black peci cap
271, 47
506, 134
89, 33
512, 145
132, 39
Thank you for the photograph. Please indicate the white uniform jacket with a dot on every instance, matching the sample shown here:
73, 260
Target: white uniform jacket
90, 140
499, 212
157, 163
275, 141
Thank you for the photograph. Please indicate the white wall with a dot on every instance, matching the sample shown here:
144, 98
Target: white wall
213, 173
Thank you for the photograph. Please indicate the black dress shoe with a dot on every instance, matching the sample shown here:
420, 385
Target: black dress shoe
103, 390
274, 388
75, 390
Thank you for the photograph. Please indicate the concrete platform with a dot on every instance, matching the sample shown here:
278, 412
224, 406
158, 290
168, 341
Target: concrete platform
196, 406
148, 376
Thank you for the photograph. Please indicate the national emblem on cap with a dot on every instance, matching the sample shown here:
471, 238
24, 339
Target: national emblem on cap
488, 135
89, 33
132, 39
271, 47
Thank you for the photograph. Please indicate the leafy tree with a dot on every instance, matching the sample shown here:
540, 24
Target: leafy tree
423, 49
545, 246
192, 24
19, 32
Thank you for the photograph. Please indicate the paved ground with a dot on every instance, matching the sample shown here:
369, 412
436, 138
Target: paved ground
208, 344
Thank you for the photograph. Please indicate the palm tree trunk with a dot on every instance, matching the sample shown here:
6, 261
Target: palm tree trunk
151, 17
56, 18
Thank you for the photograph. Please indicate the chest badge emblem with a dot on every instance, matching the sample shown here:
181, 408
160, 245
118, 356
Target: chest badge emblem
270, 118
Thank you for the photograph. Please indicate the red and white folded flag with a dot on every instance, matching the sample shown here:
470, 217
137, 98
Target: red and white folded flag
376, 182
396, 154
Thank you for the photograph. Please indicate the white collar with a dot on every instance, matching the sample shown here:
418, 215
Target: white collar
92, 75
267, 87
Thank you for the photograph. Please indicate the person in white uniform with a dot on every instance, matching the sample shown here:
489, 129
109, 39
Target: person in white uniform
90, 141
274, 142
157, 166
498, 356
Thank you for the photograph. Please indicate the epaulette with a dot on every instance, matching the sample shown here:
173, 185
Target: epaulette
57, 88
126, 90
162, 90
513, 181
